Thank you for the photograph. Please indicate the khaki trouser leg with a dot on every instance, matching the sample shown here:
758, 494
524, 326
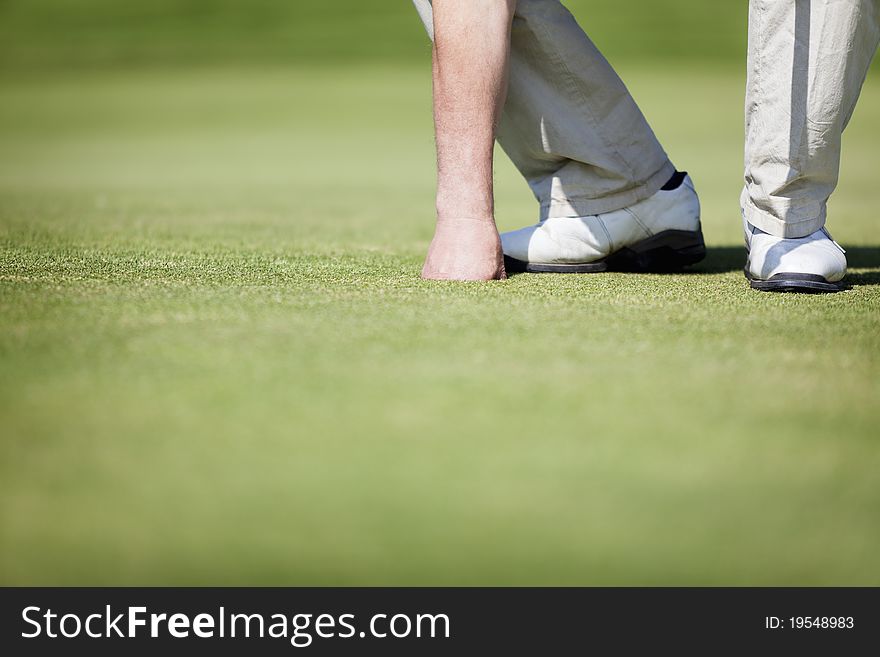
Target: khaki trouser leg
807, 62
569, 124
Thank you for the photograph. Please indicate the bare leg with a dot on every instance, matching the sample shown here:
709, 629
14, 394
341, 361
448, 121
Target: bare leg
471, 52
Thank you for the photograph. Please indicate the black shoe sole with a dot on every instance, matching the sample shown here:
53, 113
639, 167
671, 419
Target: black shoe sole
671, 250
794, 282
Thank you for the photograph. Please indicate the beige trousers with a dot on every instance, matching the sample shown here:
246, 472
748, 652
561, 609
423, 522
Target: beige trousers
807, 62
569, 124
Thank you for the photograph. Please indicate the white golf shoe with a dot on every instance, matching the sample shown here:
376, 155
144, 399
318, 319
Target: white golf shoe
661, 233
815, 263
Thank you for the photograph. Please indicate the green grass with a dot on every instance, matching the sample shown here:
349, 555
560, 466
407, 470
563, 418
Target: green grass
218, 364
84, 33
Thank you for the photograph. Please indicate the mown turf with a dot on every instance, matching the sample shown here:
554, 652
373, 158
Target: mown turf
71, 34
219, 365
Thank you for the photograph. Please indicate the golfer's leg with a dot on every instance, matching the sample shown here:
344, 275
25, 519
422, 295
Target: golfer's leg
807, 62
570, 125
471, 46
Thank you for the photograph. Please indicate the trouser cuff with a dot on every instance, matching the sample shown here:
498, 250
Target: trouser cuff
788, 228
582, 207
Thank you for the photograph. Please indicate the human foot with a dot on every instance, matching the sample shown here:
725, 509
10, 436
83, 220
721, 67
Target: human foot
465, 250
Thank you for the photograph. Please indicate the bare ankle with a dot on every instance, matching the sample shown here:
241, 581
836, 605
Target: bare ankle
465, 222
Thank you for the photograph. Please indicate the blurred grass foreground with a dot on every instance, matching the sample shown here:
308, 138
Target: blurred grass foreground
218, 364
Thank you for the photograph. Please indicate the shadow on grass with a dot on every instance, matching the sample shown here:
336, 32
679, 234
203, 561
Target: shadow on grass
863, 257
721, 259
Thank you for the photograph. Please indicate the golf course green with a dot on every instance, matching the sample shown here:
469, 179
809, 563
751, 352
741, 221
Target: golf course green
219, 365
